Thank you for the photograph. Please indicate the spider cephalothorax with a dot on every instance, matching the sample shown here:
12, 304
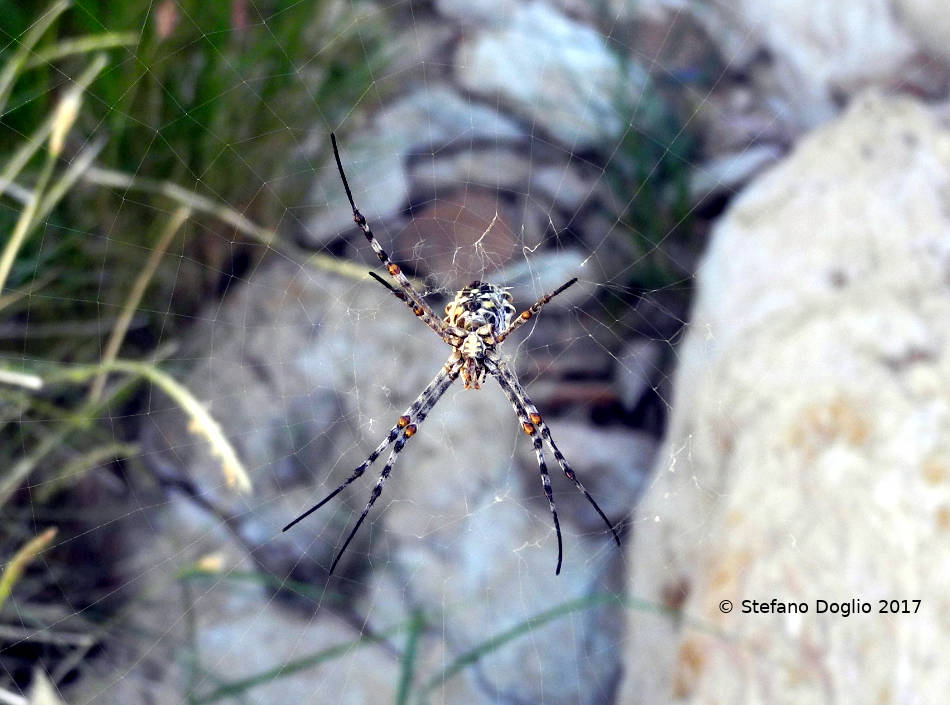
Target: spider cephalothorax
476, 315
476, 323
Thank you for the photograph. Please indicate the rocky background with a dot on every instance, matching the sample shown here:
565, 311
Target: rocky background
784, 434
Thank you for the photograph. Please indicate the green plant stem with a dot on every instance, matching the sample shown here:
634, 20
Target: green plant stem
81, 45
202, 204
135, 297
200, 420
407, 667
38, 138
237, 687
25, 222
41, 494
14, 569
16, 62
474, 654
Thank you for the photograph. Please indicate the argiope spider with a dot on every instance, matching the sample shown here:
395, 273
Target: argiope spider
476, 322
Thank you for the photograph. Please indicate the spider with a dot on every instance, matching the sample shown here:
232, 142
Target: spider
476, 323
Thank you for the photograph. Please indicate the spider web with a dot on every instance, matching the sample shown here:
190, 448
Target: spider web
165, 584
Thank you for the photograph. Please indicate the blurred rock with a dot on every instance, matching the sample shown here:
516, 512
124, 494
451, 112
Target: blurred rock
806, 60
482, 12
552, 70
438, 116
637, 366
375, 159
306, 372
559, 349
808, 454
563, 185
375, 170
160, 549
241, 633
462, 238
537, 273
725, 174
611, 463
929, 22
484, 166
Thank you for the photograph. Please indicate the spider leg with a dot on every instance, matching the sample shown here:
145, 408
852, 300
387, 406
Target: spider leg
507, 380
532, 431
407, 433
528, 313
410, 296
434, 389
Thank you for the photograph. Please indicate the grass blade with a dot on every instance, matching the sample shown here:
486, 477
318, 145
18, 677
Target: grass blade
201, 204
200, 423
407, 666
38, 138
235, 688
19, 379
69, 177
15, 64
135, 297
25, 222
495, 642
81, 45
63, 118
14, 569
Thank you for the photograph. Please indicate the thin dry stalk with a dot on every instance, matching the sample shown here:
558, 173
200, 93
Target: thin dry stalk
135, 296
14, 569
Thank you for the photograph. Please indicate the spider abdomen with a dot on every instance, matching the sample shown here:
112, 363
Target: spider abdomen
478, 305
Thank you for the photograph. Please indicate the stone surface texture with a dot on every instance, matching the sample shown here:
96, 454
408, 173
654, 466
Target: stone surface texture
808, 456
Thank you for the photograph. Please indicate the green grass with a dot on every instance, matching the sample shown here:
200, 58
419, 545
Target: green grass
123, 140
649, 176
410, 689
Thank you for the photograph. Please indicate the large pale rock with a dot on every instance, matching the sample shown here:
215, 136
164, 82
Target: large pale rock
809, 454
425, 120
556, 72
807, 58
929, 22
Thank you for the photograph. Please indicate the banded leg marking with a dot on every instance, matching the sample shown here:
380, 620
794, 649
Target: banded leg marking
532, 311
505, 378
409, 295
434, 389
532, 431
408, 432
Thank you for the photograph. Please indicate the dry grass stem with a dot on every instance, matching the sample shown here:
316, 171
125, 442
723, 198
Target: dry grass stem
135, 296
14, 569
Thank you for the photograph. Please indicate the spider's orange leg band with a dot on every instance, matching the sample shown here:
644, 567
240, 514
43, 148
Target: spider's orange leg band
529, 313
407, 433
426, 400
408, 293
532, 431
529, 414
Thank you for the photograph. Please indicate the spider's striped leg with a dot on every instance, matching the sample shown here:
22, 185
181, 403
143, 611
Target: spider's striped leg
418, 310
532, 431
407, 433
528, 313
412, 298
507, 379
425, 400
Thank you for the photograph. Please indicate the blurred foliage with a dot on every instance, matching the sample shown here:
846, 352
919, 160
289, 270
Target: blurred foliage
648, 174
140, 144
216, 97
